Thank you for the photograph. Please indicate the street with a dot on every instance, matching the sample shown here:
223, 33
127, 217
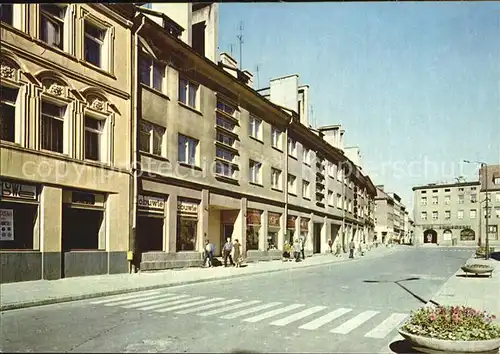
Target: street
352, 306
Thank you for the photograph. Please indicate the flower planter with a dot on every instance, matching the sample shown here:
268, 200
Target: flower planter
477, 270
452, 346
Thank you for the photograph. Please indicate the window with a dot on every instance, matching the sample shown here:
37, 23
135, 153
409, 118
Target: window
339, 201
93, 44
225, 139
460, 189
349, 206
188, 93
224, 154
497, 197
473, 213
224, 123
460, 199
254, 125
7, 13
423, 215
447, 214
434, 200
254, 172
434, 191
473, 188
186, 150
423, 201
332, 170
224, 168
496, 180
151, 138
292, 147
497, 212
331, 200
151, 73
345, 204
487, 213
447, 190
447, 200
276, 138
276, 178
305, 190
339, 174
8, 98
460, 214
94, 138
291, 184
473, 198
52, 127
305, 156
424, 192
226, 108
52, 24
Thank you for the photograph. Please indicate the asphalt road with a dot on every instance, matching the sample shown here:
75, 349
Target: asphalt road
344, 307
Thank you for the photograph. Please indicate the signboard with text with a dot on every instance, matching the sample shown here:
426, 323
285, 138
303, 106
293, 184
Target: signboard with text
18, 191
150, 203
6, 225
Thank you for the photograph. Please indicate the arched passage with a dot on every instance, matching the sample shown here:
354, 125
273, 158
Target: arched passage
467, 235
430, 236
447, 235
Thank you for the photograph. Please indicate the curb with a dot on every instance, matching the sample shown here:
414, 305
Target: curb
64, 299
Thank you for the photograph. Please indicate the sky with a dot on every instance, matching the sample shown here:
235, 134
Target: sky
416, 86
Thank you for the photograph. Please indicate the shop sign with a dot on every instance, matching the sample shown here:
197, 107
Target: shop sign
6, 225
150, 203
304, 224
184, 207
290, 221
83, 198
444, 226
273, 219
18, 190
253, 217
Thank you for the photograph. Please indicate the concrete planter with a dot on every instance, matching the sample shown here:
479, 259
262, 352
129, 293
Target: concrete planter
477, 270
452, 346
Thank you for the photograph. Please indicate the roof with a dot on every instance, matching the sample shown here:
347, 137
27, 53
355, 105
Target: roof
446, 185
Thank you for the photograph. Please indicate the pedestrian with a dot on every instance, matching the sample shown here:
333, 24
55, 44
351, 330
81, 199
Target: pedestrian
297, 245
287, 250
338, 250
352, 247
330, 244
226, 252
209, 254
302, 244
237, 253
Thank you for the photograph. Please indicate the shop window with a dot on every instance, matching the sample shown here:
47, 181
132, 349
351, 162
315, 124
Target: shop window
18, 222
253, 237
94, 138
52, 24
272, 241
52, 127
81, 228
187, 232
150, 233
8, 98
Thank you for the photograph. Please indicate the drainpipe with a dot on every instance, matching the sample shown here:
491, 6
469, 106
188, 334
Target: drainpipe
135, 115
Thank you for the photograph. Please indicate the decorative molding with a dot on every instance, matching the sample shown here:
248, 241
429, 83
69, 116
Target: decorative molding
56, 89
7, 72
97, 104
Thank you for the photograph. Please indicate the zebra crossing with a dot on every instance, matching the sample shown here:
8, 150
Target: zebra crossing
340, 321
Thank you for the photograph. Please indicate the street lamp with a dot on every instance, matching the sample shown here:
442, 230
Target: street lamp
483, 164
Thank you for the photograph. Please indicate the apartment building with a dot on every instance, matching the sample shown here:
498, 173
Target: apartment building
64, 139
384, 217
489, 177
447, 214
399, 210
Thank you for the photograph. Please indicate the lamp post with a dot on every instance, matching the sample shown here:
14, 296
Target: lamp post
483, 165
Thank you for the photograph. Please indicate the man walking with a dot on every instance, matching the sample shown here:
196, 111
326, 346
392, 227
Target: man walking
302, 244
352, 247
226, 251
209, 253
296, 249
330, 244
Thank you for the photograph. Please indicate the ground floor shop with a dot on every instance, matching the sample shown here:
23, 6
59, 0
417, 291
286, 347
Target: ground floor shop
51, 232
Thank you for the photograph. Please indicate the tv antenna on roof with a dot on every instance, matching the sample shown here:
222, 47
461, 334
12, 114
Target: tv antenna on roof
231, 45
240, 39
257, 67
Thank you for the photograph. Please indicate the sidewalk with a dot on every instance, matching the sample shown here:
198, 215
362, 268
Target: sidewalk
44, 292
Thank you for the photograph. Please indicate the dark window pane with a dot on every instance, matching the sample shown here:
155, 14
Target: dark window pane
181, 149
192, 95
54, 10
51, 31
52, 134
158, 73
25, 216
52, 110
92, 146
145, 70
182, 90
92, 51
94, 31
7, 13
7, 122
157, 138
144, 139
8, 94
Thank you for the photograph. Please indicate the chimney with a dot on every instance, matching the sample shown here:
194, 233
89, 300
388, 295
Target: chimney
230, 64
284, 91
249, 76
331, 134
380, 186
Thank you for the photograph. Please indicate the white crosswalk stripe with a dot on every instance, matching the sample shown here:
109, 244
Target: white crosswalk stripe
297, 316
357, 321
130, 301
209, 306
386, 326
329, 317
229, 308
162, 299
241, 313
178, 307
176, 302
124, 297
272, 313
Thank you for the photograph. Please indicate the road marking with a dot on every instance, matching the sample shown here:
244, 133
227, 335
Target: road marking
386, 326
163, 299
357, 321
272, 313
329, 317
181, 301
209, 306
297, 316
179, 307
233, 315
229, 308
130, 301
118, 298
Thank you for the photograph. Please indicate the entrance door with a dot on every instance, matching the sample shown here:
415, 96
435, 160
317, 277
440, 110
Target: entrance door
149, 234
227, 231
317, 238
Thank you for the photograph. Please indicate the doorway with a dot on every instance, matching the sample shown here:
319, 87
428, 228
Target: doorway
227, 231
317, 238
